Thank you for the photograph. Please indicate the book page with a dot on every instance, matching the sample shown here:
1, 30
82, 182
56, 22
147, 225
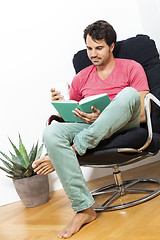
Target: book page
71, 101
87, 99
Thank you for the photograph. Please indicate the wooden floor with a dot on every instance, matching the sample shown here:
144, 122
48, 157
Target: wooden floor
141, 222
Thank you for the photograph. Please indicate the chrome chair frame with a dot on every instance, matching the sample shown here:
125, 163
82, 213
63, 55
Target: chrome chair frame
120, 187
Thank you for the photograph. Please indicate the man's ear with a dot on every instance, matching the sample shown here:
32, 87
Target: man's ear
112, 47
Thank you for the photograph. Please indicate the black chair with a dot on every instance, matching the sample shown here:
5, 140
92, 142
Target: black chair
132, 145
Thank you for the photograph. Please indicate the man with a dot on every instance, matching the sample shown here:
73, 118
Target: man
126, 84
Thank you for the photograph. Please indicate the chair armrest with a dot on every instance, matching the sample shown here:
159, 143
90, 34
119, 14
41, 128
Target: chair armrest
149, 97
54, 117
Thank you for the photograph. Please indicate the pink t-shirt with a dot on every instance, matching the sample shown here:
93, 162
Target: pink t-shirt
126, 73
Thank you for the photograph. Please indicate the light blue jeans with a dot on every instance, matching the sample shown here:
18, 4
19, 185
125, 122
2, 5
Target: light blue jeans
121, 114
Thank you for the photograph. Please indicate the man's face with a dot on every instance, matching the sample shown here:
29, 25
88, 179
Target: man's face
98, 51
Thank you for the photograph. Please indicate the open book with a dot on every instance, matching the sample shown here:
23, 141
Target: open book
65, 109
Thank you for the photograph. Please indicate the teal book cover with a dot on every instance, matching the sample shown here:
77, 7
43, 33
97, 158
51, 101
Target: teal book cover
65, 109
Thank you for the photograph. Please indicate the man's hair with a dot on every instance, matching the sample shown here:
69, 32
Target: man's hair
101, 30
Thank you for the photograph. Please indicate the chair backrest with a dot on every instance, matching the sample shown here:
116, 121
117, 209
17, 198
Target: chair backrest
143, 50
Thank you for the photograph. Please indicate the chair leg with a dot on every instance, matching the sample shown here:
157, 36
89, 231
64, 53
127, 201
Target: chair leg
119, 180
121, 188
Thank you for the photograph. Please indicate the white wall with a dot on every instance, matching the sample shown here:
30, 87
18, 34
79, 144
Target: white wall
37, 42
149, 11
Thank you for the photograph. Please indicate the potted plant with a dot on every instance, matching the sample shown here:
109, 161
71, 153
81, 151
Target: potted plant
32, 189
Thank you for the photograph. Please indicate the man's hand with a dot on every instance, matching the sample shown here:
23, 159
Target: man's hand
55, 95
43, 166
87, 117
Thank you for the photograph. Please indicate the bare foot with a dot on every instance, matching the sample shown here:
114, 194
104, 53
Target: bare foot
80, 218
43, 166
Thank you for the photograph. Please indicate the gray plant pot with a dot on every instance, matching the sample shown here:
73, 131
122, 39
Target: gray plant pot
33, 191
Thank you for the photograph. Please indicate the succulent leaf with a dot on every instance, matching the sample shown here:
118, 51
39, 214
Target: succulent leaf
17, 161
11, 168
13, 177
8, 165
5, 156
19, 167
33, 153
39, 152
23, 151
28, 173
18, 154
8, 171
30, 167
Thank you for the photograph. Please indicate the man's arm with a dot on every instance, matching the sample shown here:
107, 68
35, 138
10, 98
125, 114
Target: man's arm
142, 95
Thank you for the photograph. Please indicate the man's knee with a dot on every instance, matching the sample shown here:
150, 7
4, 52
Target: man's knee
129, 96
51, 134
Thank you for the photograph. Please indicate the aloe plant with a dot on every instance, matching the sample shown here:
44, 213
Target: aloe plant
19, 164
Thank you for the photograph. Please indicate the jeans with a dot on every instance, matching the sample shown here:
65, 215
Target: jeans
121, 114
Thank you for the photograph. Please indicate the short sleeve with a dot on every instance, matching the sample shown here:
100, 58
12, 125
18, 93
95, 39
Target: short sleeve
137, 77
74, 92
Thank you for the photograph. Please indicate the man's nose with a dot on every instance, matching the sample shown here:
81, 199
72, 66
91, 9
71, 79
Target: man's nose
93, 53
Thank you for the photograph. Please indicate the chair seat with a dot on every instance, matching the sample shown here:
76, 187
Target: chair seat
106, 153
